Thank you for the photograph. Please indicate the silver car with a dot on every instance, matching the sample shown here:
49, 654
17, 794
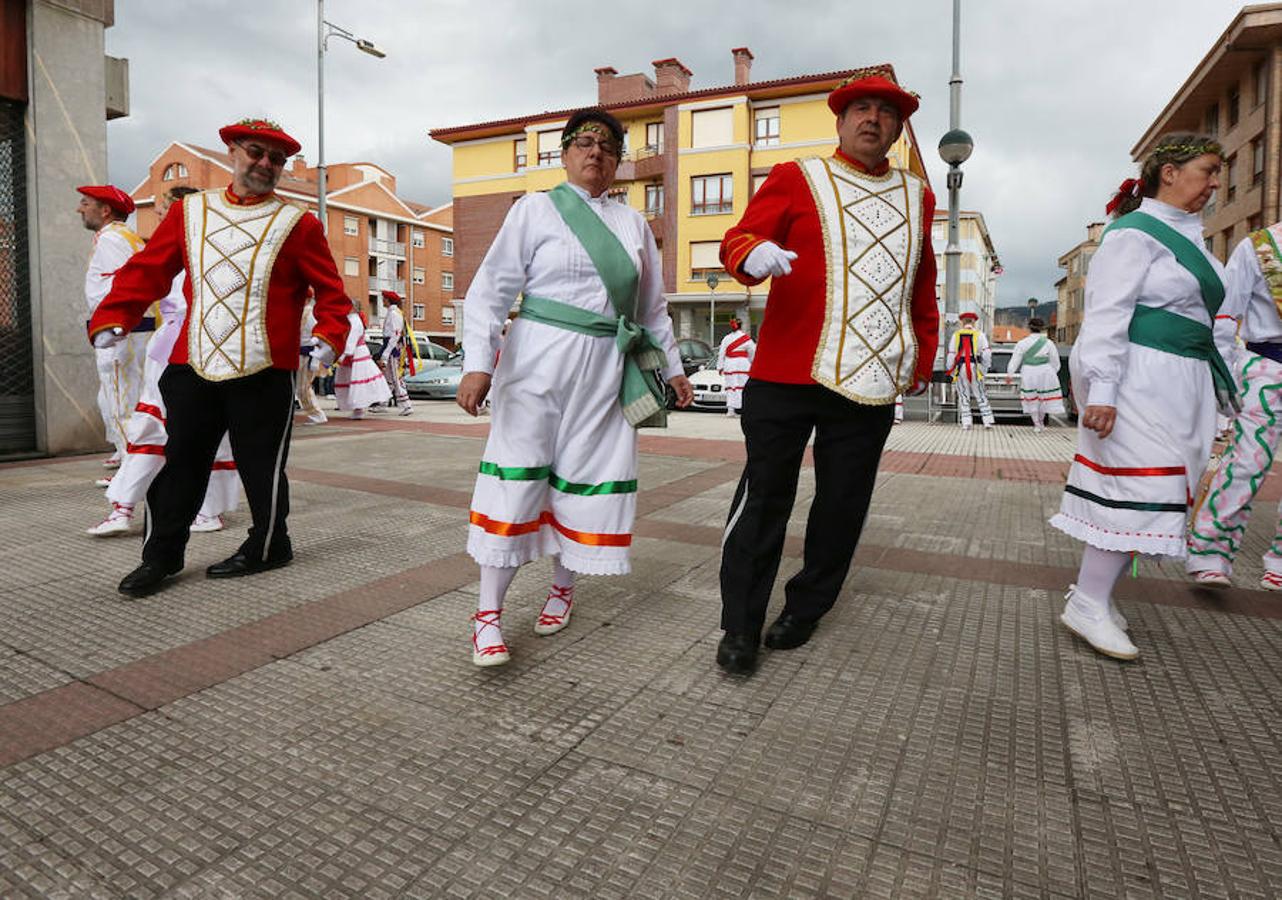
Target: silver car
440, 383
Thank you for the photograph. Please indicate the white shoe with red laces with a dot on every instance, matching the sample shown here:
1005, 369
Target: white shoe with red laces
1271, 581
488, 648
112, 462
207, 523
1211, 578
118, 521
556, 610
104, 481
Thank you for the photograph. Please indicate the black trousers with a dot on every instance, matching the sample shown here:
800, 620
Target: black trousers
257, 412
777, 421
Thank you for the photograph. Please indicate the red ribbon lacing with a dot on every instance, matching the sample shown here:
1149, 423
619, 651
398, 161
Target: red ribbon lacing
1131, 187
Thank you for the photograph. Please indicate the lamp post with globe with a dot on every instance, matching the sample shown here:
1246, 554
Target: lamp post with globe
954, 148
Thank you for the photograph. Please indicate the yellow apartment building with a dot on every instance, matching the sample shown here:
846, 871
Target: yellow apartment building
691, 161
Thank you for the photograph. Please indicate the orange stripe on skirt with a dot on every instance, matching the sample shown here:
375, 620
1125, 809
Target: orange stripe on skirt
512, 529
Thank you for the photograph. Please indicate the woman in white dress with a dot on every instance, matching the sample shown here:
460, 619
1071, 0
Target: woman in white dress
1147, 369
580, 369
1036, 359
358, 381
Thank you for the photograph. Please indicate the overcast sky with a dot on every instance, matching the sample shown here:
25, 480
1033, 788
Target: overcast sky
1055, 94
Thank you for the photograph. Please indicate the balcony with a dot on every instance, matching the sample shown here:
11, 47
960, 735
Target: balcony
377, 284
387, 248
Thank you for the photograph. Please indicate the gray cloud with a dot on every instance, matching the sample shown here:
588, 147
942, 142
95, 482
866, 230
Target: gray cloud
1055, 94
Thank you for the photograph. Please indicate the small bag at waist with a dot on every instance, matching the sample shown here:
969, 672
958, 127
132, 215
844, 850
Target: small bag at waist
1267, 349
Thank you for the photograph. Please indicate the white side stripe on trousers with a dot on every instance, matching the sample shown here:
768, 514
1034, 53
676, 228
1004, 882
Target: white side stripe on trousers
734, 518
280, 452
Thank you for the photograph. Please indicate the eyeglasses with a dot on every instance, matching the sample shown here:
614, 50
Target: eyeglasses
587, 142
257, 152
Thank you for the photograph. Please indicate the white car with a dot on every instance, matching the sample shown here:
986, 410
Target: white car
709, 389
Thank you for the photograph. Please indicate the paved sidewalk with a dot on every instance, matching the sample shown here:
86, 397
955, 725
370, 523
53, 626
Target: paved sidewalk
319, 731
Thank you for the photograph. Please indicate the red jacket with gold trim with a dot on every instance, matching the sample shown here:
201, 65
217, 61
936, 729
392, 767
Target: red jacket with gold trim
783, 210
304, 261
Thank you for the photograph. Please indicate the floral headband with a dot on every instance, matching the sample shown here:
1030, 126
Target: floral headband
1189, 148
590, 125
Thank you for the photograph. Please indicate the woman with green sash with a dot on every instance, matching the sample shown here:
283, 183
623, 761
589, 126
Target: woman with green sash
1036, 359
1147, 374
582, 366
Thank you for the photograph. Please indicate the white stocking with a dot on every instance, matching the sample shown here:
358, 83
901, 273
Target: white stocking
1038, 419
494, 585
1099, 572
562, 593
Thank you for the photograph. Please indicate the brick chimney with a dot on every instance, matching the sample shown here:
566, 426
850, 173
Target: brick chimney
670, 76
612, 88
300, 163
742, 65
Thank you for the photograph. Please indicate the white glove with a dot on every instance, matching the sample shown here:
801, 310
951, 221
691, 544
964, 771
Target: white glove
768, 258
322, 355
104, 340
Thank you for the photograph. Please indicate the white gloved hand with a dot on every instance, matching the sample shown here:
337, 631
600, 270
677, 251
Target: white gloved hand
322, 355
769, 259
104, 340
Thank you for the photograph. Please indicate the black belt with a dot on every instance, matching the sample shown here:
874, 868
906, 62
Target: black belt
1267, 349
148, 323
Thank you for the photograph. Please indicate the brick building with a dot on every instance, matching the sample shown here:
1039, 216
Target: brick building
691, 160
1235, 93
380, 241
980, 267
1071, 289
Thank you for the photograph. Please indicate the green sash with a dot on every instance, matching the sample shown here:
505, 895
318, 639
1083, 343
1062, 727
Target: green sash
1168, 331
1031, 357
642, 392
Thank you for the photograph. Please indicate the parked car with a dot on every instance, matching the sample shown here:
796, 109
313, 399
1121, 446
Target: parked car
1002, 386
429, 356
709, 390
696, 354
438, 383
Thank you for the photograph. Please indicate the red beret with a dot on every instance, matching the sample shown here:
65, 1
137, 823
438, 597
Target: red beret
392, 295
968, 314
263, 130
110, 195
872, 86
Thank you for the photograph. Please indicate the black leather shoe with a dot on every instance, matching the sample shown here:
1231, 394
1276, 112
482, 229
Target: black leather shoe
146, 579
238, 565
788, 632
737, 654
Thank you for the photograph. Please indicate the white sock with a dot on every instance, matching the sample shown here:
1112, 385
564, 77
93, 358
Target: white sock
494, 585
1099, 573
562, 593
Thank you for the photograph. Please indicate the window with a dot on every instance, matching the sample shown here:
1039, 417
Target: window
712, 127
549, 147
757, 182
447, 281
351, 266
711, 194
1230, 178
420, 312
351, 226
518, 155
654, 199
654, 137
1257, 161
765, 126
705, 260
1210, 244
447, 246
174, 170
1212, 124
420, 275
619, 195
447, 315
1254, 223
1235, 106
417, 239
1261, 79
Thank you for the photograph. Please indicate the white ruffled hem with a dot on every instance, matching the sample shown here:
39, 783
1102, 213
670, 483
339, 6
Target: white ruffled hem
510, 558
1111, 540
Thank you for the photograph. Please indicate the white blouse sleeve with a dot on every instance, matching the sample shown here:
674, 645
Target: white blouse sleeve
985, 352
652, 306
1113, 287
494, 288
1244, 284
1017, 355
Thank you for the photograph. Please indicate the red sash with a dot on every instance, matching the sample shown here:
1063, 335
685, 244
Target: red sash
733, 351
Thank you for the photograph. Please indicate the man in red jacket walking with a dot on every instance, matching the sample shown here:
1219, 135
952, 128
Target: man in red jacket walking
850, 322
250, 258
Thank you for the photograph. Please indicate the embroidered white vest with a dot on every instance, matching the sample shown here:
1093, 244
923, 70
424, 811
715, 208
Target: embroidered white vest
231, 250
872, 232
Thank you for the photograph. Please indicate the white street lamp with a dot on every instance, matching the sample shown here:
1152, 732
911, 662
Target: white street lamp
324, 31
954, 148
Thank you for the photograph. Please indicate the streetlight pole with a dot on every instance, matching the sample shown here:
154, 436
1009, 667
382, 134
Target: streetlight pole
954, 148
324, 30
713, 280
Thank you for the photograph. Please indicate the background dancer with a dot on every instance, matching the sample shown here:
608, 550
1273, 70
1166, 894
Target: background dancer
734, 360
1036, 359
969, 357
358, 383
394, 351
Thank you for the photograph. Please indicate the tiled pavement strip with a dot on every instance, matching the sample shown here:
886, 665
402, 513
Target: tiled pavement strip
319, 731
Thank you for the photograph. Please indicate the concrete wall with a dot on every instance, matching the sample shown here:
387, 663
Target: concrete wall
66, 122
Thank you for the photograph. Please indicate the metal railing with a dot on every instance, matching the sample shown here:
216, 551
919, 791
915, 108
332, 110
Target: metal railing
388, 248
387, 284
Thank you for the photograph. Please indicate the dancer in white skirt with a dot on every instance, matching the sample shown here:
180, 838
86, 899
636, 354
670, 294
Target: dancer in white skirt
145, 435
1036, 360
734, 360
358, 382
1147, 367
578, 370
